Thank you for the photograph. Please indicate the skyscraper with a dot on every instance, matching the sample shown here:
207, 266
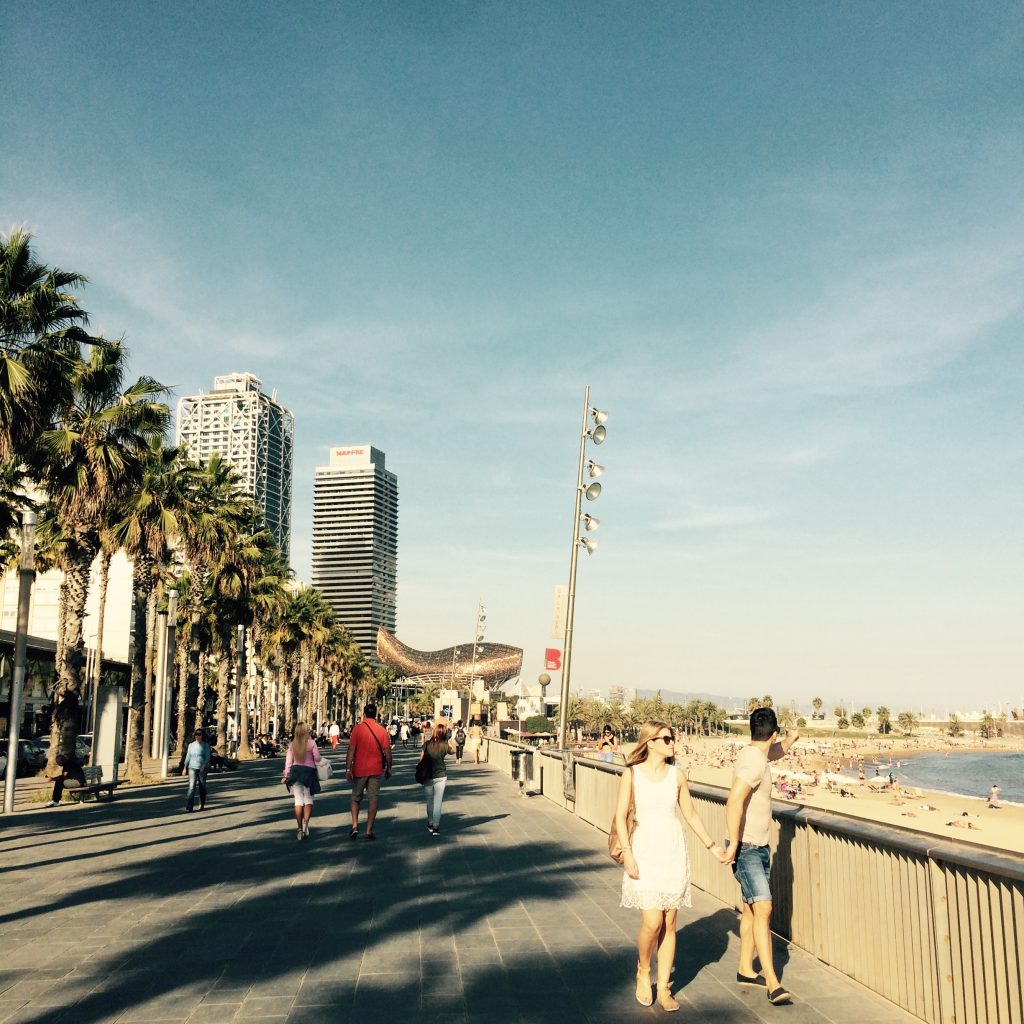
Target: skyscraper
253, 433
355, 541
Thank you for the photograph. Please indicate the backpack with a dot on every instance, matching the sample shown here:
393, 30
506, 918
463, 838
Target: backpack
460, 737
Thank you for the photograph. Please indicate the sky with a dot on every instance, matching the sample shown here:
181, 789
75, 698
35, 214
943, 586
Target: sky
783, 244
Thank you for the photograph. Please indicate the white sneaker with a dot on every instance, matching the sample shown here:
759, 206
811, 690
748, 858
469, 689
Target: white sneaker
52, 803
305, 829
300, 835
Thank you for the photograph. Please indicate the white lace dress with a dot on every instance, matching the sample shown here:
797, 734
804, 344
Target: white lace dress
658, 846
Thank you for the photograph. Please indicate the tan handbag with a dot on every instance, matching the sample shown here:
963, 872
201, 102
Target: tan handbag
615, 849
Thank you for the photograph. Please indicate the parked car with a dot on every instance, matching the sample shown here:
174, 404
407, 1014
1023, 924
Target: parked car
31, 756
83, 747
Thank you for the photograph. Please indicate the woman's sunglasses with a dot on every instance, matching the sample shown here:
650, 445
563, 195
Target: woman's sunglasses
665, 739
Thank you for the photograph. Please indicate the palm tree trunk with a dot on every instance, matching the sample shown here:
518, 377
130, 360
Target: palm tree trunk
70, 674
223, 689
142, 577
147, 718
242, 677
101, 616
186, 707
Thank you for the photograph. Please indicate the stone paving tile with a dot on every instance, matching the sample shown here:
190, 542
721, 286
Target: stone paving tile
133, 911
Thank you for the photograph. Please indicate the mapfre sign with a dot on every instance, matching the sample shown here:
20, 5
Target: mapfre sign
345, 453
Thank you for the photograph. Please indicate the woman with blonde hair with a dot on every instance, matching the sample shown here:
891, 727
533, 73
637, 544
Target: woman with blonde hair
436, 747
301, 778
657, 866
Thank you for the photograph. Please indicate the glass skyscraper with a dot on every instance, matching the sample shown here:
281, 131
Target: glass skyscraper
251, 432
355, 541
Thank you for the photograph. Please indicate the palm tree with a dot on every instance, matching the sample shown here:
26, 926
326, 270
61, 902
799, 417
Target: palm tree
907, 721
87, 461
212, 516
817, 704
884, 719
42, 329
146, 527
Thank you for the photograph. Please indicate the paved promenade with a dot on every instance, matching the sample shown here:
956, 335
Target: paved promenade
135, 911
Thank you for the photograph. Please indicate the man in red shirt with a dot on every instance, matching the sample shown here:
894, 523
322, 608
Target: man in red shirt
369, 757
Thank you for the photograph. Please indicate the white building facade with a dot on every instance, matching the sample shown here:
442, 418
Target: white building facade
254, 434
355, 541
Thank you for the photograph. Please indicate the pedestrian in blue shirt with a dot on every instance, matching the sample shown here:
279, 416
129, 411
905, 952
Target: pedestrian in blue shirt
196, 763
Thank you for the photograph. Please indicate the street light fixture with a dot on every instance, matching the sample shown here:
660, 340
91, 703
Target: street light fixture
597, 434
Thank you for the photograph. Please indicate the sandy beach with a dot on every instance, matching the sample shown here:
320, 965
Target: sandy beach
709, 761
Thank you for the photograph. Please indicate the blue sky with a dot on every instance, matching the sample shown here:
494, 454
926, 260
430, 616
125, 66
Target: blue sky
782, 243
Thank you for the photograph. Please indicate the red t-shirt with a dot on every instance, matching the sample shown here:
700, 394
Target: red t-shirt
366, 759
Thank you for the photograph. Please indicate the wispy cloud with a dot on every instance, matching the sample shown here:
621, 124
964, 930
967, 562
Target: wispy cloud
701, 518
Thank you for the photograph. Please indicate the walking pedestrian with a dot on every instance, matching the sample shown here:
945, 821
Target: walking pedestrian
335, 734
197, 764
437, 746
404, 733
608, 745
748, 814
657, 867
460, 741
300, 777
993, 798
476, 739
369, 757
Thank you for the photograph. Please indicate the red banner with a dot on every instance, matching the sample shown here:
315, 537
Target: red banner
552, 659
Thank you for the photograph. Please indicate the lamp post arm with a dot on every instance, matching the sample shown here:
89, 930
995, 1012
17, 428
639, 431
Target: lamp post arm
563, 709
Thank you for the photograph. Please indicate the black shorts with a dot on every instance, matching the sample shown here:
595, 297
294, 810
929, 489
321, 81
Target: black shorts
459, 747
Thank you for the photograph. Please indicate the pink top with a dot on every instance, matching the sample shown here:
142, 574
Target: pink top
312, 758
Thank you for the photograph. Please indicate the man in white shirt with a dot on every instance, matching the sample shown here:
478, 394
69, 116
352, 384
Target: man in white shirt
748, 814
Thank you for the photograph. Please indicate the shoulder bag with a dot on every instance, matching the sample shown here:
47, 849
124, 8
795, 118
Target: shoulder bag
424, 768
324, 769
615, 848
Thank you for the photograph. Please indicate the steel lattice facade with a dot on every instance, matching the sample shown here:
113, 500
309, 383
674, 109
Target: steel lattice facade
355, 541
253, 433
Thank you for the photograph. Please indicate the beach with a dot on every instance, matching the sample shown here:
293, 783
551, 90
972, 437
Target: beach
709, 760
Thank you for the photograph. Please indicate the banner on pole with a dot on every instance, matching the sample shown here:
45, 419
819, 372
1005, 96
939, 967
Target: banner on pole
560, 612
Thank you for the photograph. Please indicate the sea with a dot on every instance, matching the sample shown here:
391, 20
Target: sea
966, 774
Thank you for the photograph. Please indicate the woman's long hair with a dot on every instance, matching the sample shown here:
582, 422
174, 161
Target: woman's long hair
300, 740
647, 733
439, 735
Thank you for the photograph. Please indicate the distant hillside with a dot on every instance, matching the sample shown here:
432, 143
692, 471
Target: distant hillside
672, 697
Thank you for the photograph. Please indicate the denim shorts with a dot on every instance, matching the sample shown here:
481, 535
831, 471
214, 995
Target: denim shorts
752, 869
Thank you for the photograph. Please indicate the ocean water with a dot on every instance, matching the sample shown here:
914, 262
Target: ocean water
968, 774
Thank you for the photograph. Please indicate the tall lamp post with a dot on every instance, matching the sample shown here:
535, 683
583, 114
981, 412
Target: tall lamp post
169, 642
595, 433
26, 577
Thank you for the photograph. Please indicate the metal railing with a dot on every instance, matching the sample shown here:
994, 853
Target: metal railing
935, 926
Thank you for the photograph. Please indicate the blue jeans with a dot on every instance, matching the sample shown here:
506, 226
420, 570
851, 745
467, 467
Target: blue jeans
196, 778
434, 792
752, 869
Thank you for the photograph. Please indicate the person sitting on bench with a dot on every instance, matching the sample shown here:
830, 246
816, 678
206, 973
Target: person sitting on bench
70, 771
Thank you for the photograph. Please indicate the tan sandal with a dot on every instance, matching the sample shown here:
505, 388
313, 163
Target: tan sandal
643, 992
665, 1000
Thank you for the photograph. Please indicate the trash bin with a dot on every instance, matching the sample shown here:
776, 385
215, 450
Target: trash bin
522, 766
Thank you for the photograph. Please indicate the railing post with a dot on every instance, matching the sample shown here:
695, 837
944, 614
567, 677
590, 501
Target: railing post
943, 941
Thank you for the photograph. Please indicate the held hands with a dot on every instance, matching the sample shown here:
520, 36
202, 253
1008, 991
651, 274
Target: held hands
723, 855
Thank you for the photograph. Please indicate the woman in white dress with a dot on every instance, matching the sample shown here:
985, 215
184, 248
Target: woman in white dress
657, 875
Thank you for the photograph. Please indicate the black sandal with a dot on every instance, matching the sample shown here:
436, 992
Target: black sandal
354, 834
779, 997
756, 980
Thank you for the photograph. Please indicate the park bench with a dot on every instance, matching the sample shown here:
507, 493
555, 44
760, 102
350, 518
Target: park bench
94, 784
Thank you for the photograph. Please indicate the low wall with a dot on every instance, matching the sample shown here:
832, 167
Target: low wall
936, 927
